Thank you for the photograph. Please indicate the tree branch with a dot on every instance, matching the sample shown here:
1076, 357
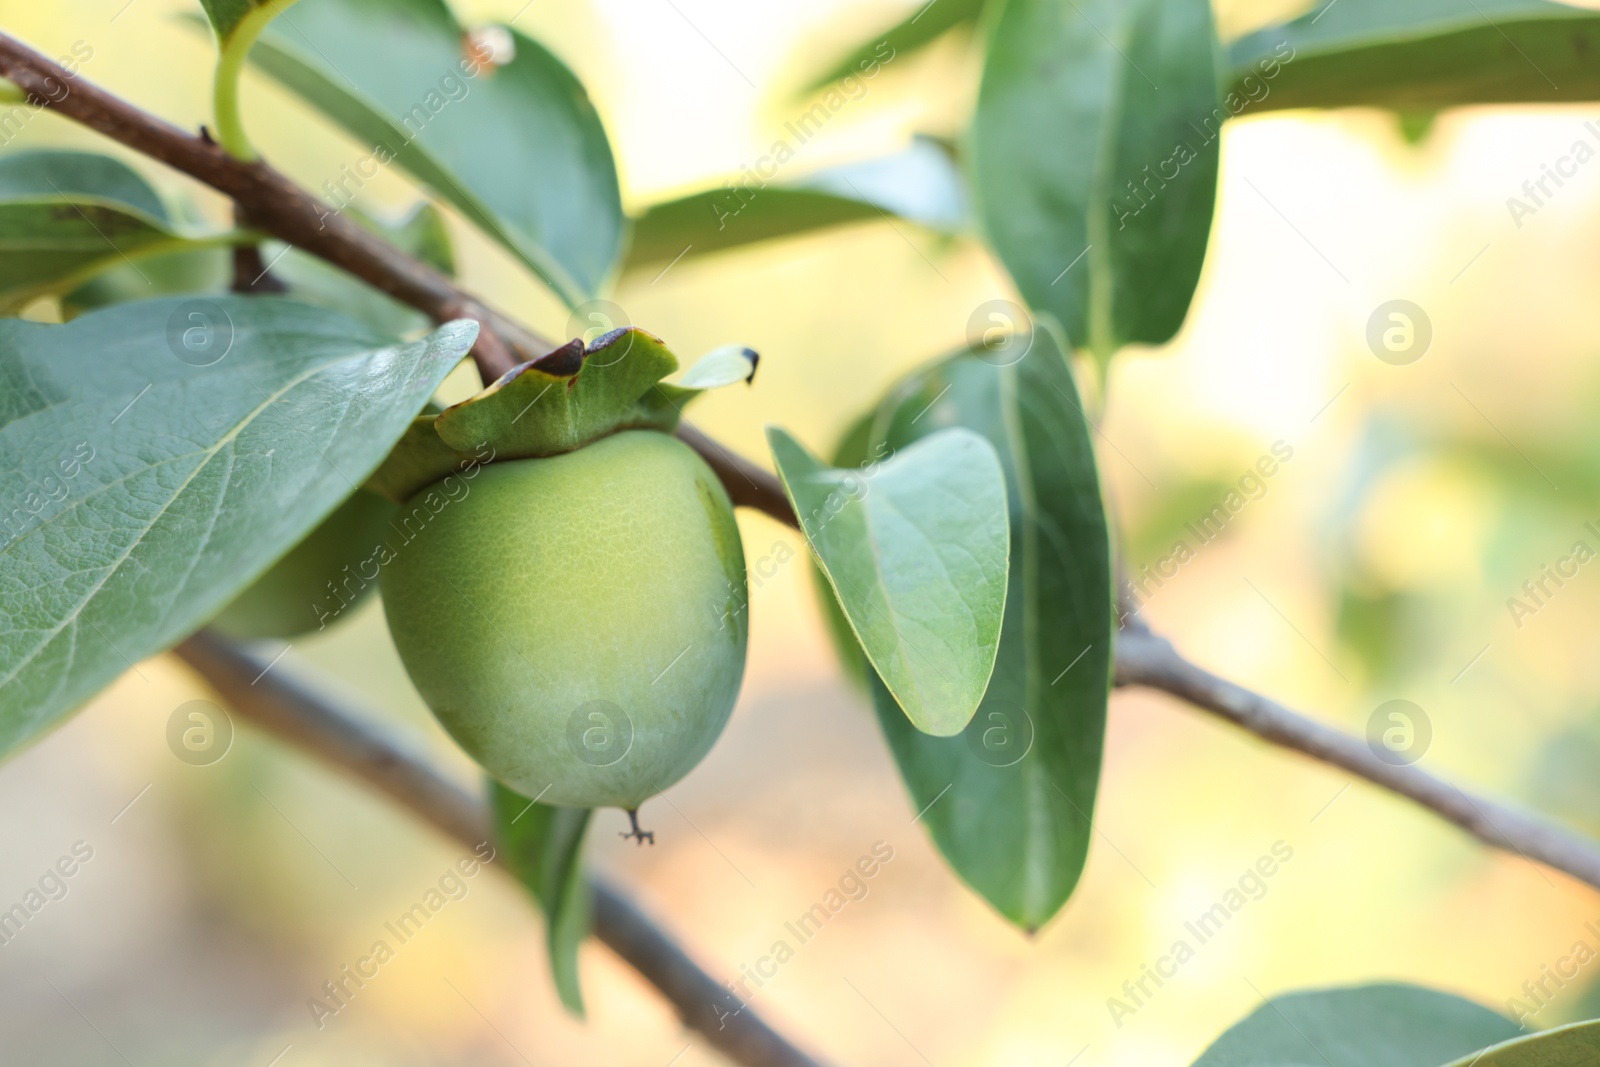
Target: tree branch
1147, 659
273, 203
293, 708
748, 485
278, 206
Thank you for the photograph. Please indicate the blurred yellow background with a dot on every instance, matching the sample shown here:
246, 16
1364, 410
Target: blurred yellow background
1377, 565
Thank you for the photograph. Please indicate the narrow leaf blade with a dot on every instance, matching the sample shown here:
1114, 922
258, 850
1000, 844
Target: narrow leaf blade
919, 184
143, 490
1095, 161
517, 148
926, 24
917, 552
1421, 56
543, 846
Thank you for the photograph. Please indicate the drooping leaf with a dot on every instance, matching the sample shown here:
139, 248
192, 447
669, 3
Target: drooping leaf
1575, 1045
1422, 55
1009, 802
920, 184
1095, 152
929, 21
512, 142
1383, 1025
65, 216
157, 457
916, 552
543, 846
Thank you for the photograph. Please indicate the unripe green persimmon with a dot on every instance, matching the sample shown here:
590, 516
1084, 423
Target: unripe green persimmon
313, 583
577, 622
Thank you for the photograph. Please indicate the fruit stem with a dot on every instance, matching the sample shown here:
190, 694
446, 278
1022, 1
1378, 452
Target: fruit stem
637, 834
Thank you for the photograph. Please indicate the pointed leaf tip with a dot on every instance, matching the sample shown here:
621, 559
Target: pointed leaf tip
916, 548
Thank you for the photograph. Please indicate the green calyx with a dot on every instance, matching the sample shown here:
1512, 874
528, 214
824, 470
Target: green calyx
558, 403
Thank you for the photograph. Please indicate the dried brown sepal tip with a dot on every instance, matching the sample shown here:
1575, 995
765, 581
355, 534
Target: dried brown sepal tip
567, 361
637, 834
755, 361
611, 337
563, 362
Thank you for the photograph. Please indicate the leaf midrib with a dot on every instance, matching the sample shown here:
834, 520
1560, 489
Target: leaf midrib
1036, 857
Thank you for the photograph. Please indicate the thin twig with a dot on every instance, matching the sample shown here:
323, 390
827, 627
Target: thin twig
1147, 659
273, 203
297, 709
278, 206
748, 485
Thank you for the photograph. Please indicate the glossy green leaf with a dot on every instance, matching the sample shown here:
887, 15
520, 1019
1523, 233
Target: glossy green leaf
515, 146
1383, 1025
543, 846
916, 551
66, 216
854, 450
919, 184
1095, 152
928, 21
1577, 1045
1009, 801
1422, 55
141, 491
